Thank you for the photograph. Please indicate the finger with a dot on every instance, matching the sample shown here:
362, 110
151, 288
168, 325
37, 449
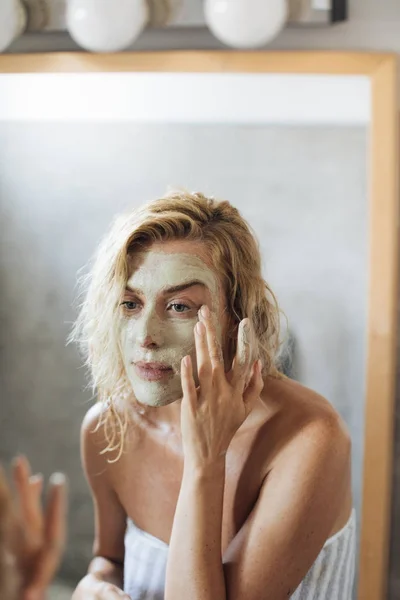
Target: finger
188, 384
5, 493
28, 490
55, 534
56, 511
6, 508
35, 531
202, 355
36, 485
108, 591
9, 522
254, 388
214, 347
115, 595
241, 363
21, 472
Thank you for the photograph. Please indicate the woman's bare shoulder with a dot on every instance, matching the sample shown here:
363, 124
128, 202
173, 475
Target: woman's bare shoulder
93, 442
306, 430
92, 417
299, 414
291, 397
100, 428
107, 435
93, 427
101, 416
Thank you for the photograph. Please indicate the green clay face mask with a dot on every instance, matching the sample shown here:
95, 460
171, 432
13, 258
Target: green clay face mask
157, 329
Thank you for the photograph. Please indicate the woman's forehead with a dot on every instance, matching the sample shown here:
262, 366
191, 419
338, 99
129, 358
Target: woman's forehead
156, 269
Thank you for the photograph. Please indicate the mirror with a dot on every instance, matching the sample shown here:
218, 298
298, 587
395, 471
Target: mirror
303, 144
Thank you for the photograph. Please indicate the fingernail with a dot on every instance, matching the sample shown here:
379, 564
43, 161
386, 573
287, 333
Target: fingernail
57, 479
186, 361
246, 332
205, 311
36, 477
200, 329
246, 327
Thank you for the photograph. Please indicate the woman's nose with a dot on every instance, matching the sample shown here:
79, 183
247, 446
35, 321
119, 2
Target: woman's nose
150, 333
148, 342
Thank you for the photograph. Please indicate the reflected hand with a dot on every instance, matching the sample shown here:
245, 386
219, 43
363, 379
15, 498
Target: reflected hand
39, 534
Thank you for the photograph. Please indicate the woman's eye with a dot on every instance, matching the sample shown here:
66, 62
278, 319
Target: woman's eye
179, 308
130, 305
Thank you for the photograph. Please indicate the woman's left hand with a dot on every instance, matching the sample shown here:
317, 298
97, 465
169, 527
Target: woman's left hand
213, 412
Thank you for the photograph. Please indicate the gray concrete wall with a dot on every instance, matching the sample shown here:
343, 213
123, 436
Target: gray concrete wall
302, 189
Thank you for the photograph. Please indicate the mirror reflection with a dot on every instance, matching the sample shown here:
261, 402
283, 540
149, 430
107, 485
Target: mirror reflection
221, 319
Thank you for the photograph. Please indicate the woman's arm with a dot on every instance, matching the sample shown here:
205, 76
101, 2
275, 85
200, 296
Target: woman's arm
105, 572
194, 568
210, 416
272, 553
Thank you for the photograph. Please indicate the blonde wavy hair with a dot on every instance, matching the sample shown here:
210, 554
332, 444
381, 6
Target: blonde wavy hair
232, 249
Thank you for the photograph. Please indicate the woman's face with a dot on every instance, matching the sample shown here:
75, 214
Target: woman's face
168, 285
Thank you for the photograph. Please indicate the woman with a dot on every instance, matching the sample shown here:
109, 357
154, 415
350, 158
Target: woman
31, 539
234, 480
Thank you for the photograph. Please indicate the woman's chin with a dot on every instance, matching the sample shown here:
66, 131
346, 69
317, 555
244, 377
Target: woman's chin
159, 401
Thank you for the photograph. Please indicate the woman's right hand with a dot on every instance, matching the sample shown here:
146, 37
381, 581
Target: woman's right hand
92, 587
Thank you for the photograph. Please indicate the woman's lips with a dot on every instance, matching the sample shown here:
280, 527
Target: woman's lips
153, 371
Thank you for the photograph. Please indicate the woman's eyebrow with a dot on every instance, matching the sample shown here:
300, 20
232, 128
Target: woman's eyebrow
183, 286
172, 289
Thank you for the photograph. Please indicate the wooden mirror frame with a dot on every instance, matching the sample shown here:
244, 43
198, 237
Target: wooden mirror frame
381, 70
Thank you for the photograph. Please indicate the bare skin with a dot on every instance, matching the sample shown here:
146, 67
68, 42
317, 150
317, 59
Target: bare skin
283, 485
33, 538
